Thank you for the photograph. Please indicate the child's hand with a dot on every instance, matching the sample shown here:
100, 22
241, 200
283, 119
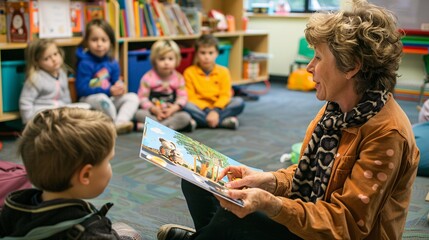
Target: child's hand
117, 89
212, 119
170, 109
158, 112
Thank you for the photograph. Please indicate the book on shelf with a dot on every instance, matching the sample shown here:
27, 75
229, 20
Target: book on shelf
34, 19
3, 28
130, 18
171, 27
160, 18
143, 27
186, 158
139, 18
94, 10
150, 25
17, 22
194, 18
76, 17
182, 20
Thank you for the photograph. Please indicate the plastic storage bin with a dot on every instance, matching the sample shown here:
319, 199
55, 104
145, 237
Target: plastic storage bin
13, 77
138, 65
223, 58
187, 58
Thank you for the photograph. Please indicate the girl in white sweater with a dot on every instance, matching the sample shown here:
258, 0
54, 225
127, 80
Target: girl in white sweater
46, 84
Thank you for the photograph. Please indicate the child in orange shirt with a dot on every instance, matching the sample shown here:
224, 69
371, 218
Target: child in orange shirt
210, 100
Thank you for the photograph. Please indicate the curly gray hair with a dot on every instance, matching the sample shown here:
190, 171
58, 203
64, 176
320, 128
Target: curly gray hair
366, 35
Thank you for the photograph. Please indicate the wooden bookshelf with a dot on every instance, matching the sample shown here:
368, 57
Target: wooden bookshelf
253, 40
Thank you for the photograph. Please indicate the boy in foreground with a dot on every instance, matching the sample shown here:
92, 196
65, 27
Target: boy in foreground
67, 154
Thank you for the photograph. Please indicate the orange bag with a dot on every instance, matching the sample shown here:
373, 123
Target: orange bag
301, 80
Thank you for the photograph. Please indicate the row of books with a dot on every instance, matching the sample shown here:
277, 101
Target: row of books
416, 41
140, 18
20, 21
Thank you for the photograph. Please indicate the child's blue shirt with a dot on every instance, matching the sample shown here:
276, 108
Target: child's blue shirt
95, 74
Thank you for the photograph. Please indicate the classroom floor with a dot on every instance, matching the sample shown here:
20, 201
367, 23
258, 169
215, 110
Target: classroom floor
147, 197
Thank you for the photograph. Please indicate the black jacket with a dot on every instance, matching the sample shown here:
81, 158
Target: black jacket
55, 219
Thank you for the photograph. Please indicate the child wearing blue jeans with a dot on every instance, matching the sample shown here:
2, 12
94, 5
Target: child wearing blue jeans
210, 100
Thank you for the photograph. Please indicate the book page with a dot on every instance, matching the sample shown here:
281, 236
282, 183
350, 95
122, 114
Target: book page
186, 158
54, 19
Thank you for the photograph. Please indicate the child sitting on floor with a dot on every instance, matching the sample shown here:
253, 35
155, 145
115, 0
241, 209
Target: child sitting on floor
46, 85
97, 76
162, 90
210, 100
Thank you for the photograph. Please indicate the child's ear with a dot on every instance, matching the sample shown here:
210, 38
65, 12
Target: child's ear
84, 174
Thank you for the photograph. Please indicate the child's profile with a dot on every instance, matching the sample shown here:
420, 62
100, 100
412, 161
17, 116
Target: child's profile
67, 154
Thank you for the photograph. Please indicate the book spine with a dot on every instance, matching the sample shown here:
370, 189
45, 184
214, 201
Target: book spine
142, 21
137, 18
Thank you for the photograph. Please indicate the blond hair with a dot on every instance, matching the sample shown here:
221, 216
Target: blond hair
34, 52
57, 143
161, 47
366, 35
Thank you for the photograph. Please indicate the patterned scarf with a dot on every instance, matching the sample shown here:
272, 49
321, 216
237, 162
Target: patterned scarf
314, 169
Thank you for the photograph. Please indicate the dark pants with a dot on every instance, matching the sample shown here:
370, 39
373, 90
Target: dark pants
212, 222
234, 108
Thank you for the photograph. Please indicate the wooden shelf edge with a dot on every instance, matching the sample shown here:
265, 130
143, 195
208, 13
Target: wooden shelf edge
154, 38
9, 116
63, 42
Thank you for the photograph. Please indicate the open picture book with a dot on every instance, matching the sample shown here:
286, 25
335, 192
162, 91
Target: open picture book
186, 158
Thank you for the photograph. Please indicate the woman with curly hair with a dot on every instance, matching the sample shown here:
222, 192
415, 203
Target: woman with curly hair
359, 157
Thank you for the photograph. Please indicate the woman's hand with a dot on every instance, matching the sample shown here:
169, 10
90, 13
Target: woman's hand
243, 177
254, 199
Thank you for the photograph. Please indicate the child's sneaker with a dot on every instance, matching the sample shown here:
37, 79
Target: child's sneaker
124, 127
230, 122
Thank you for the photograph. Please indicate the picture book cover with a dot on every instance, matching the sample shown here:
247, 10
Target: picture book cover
186, 158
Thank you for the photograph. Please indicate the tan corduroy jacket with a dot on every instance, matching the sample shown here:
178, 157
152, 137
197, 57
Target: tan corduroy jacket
370, 186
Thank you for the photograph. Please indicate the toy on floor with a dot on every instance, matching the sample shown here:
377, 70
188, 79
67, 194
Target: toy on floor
293, 156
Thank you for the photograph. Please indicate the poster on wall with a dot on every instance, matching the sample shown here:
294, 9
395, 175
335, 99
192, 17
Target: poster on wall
54, 19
